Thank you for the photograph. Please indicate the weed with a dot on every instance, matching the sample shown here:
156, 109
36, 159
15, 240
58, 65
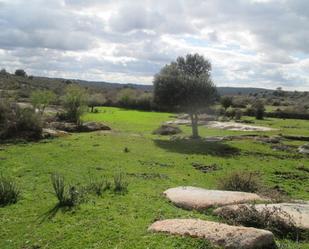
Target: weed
9, 191
98, 186
240, 181
67, 196
120, 185
273, 219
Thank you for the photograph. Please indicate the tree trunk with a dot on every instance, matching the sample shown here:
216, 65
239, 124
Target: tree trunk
92, 107
194, 124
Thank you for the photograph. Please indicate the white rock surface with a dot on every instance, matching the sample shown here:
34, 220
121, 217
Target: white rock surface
233, 126
199, 198
297, 212
231, 237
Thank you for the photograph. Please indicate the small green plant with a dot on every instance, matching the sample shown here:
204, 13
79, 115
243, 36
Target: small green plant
120, 185
240, 181
98, 186
9, 191
67, 196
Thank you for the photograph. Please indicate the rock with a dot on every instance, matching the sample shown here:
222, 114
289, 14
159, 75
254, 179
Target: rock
93, 126
50, 133
85, 127
270, 140
304, 149
200, 199
64, 126
167, 130
297, 213
233, 126
231, 237
298, 138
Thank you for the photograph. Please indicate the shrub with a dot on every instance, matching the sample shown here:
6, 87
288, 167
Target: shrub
238, 114
226, 102
259, 110
74, 103
230, 112
16, 122
273, 219
120, 185
67, 196
240, 181
9, 192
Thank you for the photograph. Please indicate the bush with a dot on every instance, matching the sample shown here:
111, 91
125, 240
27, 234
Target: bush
16, 122
259, 110
67, 196
230, 112
238, 114
240, 181
74, 103
272, 219
120, 185
9, 192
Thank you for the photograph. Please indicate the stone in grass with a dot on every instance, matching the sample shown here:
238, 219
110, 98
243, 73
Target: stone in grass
297, 213
231, 237
304, 149
167, 130
200, 199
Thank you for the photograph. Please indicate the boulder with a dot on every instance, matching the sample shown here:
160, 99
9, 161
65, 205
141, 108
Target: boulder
64, 126
93, 126
226, 236
85, 127
297, 213
304, 149
167, 130
50, 133
200, 199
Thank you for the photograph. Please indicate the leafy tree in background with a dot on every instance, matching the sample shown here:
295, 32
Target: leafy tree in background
41, 99
226, 102
259, 109
185, 85
74, 102
20, 72
94, 100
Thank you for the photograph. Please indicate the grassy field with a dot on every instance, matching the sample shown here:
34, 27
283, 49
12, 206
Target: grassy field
153, 164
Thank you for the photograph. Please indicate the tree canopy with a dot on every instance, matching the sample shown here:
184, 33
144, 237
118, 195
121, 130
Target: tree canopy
185, 85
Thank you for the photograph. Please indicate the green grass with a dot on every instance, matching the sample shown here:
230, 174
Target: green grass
153, 164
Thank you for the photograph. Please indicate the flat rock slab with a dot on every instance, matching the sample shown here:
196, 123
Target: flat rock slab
231, 237
297, 212
233, 126
199, 198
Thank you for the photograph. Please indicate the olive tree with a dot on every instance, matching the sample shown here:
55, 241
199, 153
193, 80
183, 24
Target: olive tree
186, 85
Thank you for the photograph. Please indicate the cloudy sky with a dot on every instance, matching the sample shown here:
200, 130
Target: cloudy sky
258, 43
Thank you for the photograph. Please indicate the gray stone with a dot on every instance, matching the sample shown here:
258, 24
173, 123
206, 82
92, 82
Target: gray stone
230, 237
304, 149
199, 198
167, 130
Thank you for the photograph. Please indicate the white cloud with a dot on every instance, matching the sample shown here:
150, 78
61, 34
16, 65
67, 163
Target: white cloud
250, 43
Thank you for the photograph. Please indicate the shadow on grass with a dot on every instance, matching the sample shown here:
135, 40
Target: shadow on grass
197, 146
51, 213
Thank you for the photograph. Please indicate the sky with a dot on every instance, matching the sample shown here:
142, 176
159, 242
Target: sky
250, 43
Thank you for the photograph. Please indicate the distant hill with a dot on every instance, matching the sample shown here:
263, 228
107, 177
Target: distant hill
26, 84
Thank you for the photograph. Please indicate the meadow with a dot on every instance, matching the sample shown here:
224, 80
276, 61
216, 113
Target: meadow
151, 164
